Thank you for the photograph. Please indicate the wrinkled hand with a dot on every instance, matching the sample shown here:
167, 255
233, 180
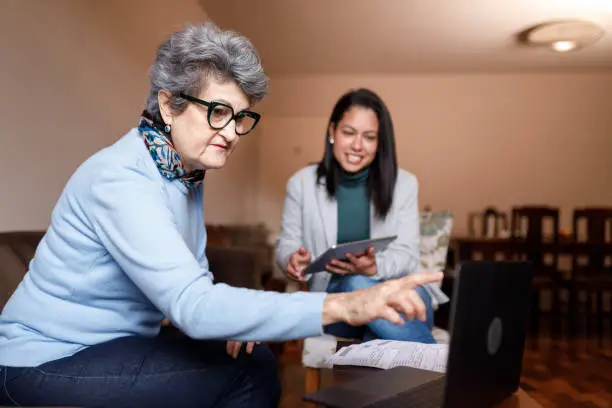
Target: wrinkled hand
364, 264
297, 262
233, 347
387, 300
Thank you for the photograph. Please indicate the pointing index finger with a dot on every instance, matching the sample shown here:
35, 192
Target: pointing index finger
424, 278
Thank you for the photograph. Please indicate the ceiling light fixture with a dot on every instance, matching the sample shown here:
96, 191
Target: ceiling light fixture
562, 36
563, 46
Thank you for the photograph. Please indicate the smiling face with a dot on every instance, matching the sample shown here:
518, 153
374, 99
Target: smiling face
355, 139
199, 145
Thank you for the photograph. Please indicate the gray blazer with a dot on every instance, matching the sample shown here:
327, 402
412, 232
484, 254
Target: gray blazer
310, 219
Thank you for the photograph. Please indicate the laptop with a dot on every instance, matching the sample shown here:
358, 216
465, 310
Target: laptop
489, 316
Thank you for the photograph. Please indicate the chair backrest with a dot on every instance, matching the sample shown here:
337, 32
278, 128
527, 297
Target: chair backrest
598, 221
491, 223
598, 233
16, 251
535, 218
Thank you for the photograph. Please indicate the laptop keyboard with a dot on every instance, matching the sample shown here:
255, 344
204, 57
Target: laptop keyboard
428, 395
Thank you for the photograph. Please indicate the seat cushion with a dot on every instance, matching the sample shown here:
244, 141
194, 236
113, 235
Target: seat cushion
440, 335
317, 350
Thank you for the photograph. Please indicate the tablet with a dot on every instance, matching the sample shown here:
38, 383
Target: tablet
339, 251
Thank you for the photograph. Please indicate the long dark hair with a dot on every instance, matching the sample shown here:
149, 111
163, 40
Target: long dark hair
383, 169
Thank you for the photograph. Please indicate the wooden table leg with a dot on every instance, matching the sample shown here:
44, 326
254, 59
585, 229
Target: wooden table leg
313, 383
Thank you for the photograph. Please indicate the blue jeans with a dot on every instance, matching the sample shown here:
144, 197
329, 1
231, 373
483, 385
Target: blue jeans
414, 330
170, 370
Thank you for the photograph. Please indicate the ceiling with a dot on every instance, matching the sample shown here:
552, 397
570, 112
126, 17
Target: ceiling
297, 37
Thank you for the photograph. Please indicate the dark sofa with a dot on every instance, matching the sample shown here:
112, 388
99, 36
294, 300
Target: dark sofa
236, 266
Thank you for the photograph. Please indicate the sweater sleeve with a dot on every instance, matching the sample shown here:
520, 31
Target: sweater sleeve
132, 220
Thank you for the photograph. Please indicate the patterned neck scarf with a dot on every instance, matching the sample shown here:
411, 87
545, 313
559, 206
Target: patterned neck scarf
164, 154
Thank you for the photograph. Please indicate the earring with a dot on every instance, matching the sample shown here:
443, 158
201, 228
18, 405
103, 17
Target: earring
167, 129
331, 141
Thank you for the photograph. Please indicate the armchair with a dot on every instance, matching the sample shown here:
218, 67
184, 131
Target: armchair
435, 237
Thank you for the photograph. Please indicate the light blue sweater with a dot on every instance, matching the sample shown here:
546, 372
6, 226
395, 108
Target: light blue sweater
125, 248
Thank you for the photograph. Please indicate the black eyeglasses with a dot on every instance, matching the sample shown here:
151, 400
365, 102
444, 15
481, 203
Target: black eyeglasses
221, 114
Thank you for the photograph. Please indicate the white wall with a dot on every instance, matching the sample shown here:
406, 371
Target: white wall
74, 79
73, 75
472, 140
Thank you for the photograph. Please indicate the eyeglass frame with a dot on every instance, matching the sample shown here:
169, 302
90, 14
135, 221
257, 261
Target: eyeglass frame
210, 107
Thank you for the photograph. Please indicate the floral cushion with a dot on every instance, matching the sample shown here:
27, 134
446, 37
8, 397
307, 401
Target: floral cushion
435, 238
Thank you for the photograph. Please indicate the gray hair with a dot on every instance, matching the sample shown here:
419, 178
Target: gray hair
188, 58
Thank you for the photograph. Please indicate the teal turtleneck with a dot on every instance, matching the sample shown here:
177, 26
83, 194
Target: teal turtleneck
353, 207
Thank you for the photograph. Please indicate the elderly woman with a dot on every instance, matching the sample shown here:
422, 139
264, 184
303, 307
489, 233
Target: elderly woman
126, 248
